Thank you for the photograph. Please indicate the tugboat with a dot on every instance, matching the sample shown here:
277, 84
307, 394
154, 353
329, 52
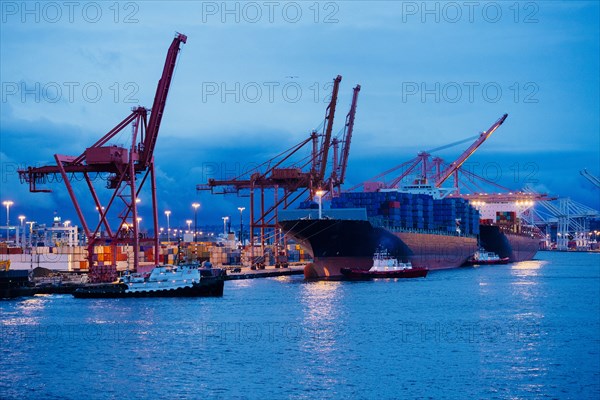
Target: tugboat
385, 266
185, 280
14, 283
482, 257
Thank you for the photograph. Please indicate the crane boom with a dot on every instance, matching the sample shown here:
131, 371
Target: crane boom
590, 177
329, 115
160, 99
467, 153
348, 139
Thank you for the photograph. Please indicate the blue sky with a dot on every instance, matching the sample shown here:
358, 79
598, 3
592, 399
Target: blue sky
431, 73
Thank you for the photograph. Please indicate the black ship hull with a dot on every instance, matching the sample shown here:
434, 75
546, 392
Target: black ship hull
15, 292
340, 243
515, 247
15, 283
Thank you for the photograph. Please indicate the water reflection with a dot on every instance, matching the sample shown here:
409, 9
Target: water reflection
321, 322
241, 283
527, 268
319, 300
26, 312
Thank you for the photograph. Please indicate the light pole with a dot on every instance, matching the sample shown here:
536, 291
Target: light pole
7, 203
319, 194
168, 214
241, 225
195, 205
139, 219
189, 224
30, 223
225, 219
22, 218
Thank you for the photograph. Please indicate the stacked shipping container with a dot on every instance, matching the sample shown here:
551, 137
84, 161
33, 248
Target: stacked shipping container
407, 211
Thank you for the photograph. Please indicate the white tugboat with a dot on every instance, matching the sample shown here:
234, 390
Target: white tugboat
482, 257
187, 280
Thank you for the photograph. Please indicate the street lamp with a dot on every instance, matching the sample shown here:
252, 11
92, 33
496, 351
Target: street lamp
67, 223
30, 223
22, 218
189, 224
319, 194
241, 225
168, 214
139, 219
7, 203
195, 205
225, 219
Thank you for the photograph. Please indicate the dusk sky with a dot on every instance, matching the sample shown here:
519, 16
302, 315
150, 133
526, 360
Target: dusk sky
253, 79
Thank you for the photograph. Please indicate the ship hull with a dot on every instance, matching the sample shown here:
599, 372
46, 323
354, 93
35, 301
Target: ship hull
336, 244
13, 293
360, 274
515, 247
15, 283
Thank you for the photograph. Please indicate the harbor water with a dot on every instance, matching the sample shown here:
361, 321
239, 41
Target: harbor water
517, 331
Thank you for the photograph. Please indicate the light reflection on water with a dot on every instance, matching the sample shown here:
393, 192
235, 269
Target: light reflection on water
321, 321
26, 312
527, 268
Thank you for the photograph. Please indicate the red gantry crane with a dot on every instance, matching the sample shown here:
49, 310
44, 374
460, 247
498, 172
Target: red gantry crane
340, 165
123, 167
282, 174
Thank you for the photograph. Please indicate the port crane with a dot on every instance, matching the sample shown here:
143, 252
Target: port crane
340, 163
584, 172
427, 163
128, 170
455, 165
290, 180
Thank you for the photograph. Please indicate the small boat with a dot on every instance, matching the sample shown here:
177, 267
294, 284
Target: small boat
385, 266
482, 257
163, 281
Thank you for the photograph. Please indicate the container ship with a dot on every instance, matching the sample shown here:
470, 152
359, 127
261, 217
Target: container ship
502, 232
417, 224
420, 223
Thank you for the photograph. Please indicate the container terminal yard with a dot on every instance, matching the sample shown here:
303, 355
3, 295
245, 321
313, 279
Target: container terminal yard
427, 211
